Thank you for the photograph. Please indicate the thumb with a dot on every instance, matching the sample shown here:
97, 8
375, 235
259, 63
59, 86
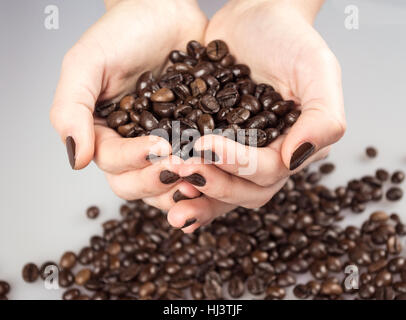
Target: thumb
322, 121
315, 129
72, 110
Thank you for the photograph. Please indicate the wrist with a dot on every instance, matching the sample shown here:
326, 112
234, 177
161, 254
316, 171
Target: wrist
111, 3
306, 8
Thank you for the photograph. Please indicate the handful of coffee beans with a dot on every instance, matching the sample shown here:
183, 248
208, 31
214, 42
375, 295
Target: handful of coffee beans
203, 91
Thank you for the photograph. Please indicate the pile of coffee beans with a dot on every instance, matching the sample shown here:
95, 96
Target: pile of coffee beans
4, 290
260, 252
203, 90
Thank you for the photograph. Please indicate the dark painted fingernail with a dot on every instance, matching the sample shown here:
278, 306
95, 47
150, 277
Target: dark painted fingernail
189, 222
301, 154
178, 196
71, 149
196, 179
210, 155
168, 177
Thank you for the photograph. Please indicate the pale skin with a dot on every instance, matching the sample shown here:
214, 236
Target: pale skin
275, 38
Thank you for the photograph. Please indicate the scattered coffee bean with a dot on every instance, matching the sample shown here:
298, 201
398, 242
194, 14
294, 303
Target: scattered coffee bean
93, 212
139, 256
371, 152
394, 194
30, 272
327, 168
398, 177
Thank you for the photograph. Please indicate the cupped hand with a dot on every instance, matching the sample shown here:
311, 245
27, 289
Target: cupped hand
277, 40
104, 65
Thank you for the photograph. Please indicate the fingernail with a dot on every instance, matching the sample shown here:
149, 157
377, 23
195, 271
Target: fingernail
196, 179
301, 154
178, 196
71, 149
168, 177
189, 222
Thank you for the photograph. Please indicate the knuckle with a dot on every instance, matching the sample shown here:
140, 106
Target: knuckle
338, 127
263, 181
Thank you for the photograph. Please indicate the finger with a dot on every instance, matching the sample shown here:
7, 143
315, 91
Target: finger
202, 209
115, 154
322, 121
180, 192
150, 181
262, 166
218, 184
72, 110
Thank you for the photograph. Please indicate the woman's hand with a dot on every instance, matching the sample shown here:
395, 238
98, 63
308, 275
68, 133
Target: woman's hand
276, 39
132, 37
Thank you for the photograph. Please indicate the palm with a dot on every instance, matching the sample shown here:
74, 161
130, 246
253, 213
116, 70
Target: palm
134, 37
278, 52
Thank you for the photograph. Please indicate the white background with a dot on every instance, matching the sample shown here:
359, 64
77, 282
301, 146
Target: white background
43, 202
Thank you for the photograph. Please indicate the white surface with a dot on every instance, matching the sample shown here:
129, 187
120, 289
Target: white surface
43, 203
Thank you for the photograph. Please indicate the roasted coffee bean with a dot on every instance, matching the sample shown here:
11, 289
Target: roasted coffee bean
383, 278
236, 287
327, 168
83, 276
212, 287
30, 272
205, 123
198, 87
371, 152
144, 81
148, 121
164, 109
281, 108
397, 264
4, 288
255, 285
393, 245
256, 122
228, 97
71, 294
269, 99
209, 104
238, 116
275, 293
382, 174
195, 49
105, 110
224, 76
68, 260
394, 194
398, 177
292, 117
216, 50
117, 118
130, 130
367, 291
127, 103
331, 288
384, 293
66, 278
240, 70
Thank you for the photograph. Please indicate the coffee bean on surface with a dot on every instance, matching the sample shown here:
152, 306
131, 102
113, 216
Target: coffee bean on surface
30, 272
92, 212
371, 152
